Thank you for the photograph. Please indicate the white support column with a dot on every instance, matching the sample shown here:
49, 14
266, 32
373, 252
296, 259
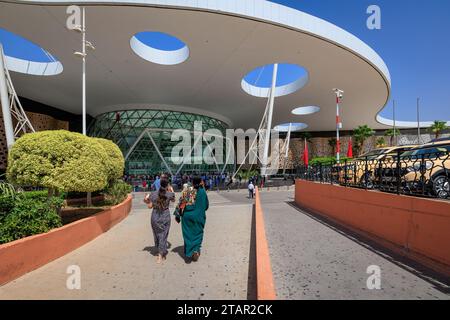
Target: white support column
4, 99
288, 141
83, 28
159, 153
269, 120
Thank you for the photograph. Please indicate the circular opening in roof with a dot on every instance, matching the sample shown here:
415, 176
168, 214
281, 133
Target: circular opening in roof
301, 111
294, 127
26, 57
159, 47
290, 78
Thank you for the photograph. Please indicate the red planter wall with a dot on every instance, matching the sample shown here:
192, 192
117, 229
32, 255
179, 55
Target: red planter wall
416, 227
22, 256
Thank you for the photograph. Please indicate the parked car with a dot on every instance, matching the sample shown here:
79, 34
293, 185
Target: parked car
367, 166
426, 169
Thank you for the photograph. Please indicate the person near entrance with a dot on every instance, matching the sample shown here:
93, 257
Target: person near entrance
251, 190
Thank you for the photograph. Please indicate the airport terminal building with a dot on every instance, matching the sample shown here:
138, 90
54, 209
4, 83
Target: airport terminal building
163, 65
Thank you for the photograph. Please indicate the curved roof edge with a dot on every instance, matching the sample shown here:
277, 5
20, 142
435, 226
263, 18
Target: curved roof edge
405, 124
260, 10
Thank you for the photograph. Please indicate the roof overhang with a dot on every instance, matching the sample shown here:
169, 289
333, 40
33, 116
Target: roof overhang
226, 39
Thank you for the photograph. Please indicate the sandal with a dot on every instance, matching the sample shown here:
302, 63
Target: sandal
195, 256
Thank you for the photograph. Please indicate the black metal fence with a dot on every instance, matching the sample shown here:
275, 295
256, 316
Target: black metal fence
422, 174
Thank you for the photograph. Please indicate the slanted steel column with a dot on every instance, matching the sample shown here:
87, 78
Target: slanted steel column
286, 155
269, 120
4, 99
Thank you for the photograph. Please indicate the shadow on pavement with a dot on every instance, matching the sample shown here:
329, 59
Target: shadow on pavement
154, 250
180, 251
251, 282
439, 281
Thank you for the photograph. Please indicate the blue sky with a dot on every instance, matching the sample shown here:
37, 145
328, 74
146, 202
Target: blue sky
18, 47
287, 73
414, 41
160, 40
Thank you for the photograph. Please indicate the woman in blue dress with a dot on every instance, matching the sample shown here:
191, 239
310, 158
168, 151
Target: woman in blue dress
159, 201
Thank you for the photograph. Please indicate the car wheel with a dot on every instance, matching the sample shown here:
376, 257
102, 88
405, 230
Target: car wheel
441, 187
367, 182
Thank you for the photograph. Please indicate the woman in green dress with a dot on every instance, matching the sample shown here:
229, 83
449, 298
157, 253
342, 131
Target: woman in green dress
193, 219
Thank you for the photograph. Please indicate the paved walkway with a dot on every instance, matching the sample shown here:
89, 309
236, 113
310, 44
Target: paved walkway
120, 263
312, 260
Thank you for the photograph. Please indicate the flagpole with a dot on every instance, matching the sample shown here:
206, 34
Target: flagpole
339, 94
418, 121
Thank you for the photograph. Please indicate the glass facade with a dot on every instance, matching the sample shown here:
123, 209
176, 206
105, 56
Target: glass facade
145, 138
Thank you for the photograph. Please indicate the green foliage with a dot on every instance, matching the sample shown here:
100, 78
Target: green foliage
391, 132
7, 196
39, 195
360, 134
326, 161
7, 189
332, 142
381, 142
305, 135
6, 205
64, 161
437, 127
117, 192
29, 214
247, 174
115, 162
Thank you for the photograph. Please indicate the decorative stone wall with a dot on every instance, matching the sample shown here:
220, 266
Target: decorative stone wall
319, 147
40, 122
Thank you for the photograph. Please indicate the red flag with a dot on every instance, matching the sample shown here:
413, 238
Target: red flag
306, 154
350, 149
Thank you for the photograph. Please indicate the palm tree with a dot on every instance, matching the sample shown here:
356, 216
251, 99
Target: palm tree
332, 142
438, 127
391, 133
305, 135
381, 142
362, 133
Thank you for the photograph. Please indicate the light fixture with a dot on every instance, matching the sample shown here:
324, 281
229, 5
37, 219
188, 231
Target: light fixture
79, 54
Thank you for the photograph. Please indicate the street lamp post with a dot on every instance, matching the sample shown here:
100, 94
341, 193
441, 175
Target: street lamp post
418, 121
339, 95
394, 122
85, 45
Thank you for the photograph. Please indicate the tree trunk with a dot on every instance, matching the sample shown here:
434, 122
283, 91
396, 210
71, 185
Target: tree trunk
89, 199
54, 193
50, 193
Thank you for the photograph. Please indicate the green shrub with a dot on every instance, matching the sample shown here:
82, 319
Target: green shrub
117, 192
8, 194
39, 195
6, 206
115, 162
326, 161
30, 216
58, 160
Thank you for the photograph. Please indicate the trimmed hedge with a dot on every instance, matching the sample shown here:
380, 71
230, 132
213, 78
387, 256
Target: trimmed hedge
29, 213
326, 161
64, 161
117, 192
115, 162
